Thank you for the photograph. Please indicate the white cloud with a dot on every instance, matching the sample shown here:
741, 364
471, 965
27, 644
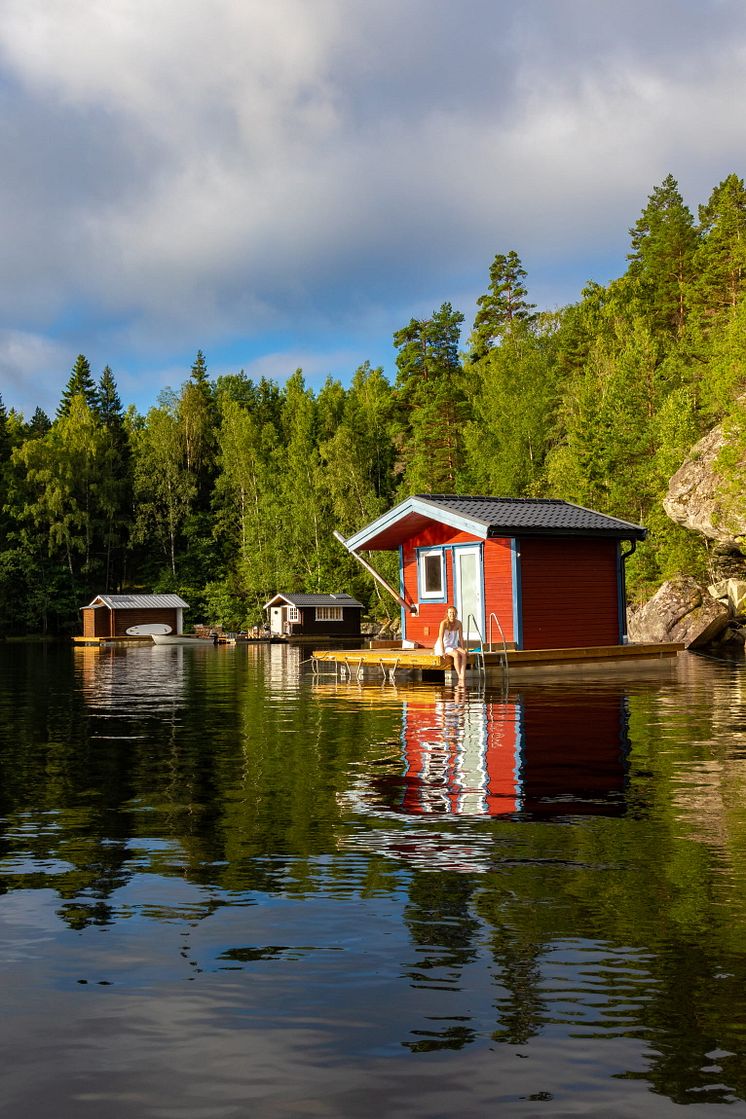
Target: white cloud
186, 171
25, 360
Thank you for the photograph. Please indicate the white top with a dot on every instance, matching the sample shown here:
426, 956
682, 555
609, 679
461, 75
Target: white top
451, 639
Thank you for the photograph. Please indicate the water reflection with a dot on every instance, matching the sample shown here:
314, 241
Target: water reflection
536, 754
541, 892
149, 681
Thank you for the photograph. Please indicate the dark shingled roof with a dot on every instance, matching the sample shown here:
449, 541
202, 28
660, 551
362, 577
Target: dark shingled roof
318, 600
533, 516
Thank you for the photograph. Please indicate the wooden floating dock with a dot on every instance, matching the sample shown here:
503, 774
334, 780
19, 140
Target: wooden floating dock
124, 639
494, 664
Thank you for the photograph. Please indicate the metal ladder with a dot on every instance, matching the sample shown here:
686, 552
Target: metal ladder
504, 650
478, 652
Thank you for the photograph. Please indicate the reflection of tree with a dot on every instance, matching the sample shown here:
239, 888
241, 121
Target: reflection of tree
443, 929
240, 787
694, 1020
522, 1011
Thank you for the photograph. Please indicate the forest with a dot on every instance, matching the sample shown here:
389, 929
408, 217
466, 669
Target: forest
228, 490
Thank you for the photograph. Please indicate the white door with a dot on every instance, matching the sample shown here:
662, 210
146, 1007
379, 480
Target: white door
467, 573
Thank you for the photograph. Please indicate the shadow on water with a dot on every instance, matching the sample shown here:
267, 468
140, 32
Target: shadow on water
225, 886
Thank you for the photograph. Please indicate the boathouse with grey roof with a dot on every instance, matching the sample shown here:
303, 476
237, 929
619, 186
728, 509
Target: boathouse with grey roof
124, 615
314, 615
540, 574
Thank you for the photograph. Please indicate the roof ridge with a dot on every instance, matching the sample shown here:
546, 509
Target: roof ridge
491, 497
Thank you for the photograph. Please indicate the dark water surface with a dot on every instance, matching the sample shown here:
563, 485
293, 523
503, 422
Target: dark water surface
230, 890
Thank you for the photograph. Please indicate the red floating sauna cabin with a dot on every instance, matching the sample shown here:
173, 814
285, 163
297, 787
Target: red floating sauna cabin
540, 574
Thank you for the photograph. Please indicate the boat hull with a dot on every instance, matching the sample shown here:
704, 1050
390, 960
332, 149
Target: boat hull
179, 639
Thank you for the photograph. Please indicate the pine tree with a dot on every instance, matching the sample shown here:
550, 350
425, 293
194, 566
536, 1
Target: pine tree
432, 405
720, 261
39, 424
80, 383
661, 258
199, 420
109, 404
503, 305
5, 445
116, 478
199, 370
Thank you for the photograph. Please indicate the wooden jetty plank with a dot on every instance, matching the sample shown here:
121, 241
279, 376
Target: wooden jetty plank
426, 658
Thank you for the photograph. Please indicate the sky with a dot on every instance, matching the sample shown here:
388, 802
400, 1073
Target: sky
285, 183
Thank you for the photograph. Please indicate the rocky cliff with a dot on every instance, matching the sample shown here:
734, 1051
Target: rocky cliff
683, 609
697, 500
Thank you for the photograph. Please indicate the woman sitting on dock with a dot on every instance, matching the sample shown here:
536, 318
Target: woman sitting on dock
450, 642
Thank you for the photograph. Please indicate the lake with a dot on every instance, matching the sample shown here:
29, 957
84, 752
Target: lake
232, 889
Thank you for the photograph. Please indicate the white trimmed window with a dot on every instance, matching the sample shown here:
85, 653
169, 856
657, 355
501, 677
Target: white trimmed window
328, 613
432, 574
293, 614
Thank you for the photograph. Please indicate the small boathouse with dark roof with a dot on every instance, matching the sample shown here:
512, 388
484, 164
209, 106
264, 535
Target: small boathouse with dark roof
536, 574
314, 615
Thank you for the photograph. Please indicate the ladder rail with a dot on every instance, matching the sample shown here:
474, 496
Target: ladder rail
504, 651
471, 620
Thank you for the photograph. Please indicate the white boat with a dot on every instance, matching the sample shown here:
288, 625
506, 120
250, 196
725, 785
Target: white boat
180, 639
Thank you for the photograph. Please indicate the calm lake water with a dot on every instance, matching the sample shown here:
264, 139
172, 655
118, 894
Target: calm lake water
231, 890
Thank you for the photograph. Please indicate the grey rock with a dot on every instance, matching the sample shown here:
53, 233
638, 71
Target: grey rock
732, 592
682, 611
695, 499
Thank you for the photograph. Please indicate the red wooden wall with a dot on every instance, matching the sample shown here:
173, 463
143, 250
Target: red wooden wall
498, 583
498, 588
101, 622
569, 592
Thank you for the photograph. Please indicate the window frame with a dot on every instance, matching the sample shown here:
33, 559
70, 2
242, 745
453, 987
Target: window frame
329, 614
424, 595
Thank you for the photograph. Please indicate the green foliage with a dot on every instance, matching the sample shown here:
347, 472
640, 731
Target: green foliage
432, 408
503, 307
80, 383
229, 491
513, 393
661, 258
720, 260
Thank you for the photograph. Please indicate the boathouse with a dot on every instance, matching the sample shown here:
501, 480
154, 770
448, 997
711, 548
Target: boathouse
538, 574
126, 615
314, 615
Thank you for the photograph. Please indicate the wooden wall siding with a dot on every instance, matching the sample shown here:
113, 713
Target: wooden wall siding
424, 628
498, 588
569, 592
498, 583
348, 627
123, 619
96, 622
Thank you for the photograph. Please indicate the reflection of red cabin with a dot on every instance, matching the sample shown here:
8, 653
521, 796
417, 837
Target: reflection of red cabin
545, 574
540, 755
